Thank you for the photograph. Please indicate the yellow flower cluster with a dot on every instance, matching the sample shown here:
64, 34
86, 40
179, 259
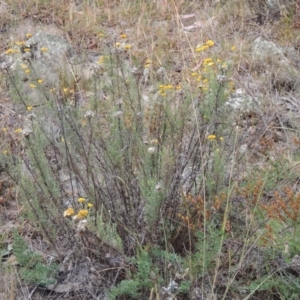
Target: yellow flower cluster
208, 62
19, 130
203, 82
208, 65
123, 46
206, 46
22, 43
100, 60
147, 63
82, 213
66, 90
163, 88
212, 137
11, 51
81, 200
69, 212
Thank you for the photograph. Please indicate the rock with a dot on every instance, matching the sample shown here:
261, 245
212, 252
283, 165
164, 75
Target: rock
277, 63
263, 49
242, 101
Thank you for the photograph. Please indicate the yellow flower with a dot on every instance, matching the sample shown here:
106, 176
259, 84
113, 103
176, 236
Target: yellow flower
69, 212
154, 142
211, 137
221, 139
211, 63
89, 205
148, 61
194, 74
27, 50
24, 66
29, 108
100, 60
4, 129
81, 200
28, 35
19, 130
123, 36
27, 71
224, 66
4, 151
82, 214
65, 90
33, 86
40, 81
207, 61
202, 48
101, 34
128, 46
231, 86
233, 48
44, 49
10, 51
210, 43
20, 43
118, 45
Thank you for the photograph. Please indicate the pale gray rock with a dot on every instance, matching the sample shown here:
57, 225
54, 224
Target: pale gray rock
277, 64
242, 101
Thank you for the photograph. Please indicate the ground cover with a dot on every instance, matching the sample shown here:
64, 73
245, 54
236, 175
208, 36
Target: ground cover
149, 150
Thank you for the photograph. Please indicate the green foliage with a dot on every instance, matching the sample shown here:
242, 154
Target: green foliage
184, 287
141, 279
284, 285
145, 266
33, 269
126, 288
167, 257
136, 155
108, 233
207, 247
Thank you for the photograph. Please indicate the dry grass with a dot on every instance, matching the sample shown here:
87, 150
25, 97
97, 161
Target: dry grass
235, 216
